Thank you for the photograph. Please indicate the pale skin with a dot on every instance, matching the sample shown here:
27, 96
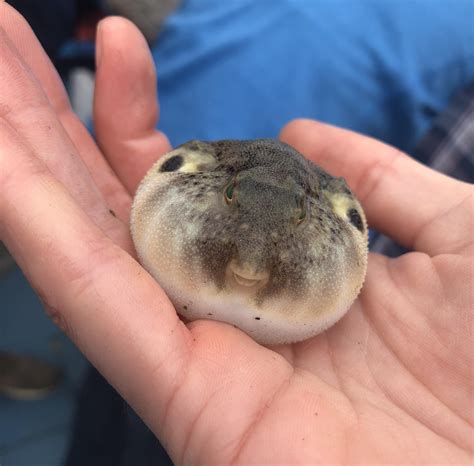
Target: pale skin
392, 382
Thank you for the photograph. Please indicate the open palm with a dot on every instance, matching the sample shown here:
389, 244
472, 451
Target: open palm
390, 383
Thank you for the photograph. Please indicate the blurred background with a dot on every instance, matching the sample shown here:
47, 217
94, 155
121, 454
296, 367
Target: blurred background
237, 69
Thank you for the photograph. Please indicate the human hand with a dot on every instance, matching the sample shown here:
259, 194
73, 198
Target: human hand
391, 382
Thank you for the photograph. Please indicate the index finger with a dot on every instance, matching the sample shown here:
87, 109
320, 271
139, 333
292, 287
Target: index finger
129, 139
401, 197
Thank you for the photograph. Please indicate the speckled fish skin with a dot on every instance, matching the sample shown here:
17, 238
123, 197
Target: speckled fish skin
253, 234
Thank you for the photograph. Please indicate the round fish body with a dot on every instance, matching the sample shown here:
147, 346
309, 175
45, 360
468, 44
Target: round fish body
253, 234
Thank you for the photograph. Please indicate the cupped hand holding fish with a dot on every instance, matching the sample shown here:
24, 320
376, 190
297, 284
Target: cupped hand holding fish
391, 382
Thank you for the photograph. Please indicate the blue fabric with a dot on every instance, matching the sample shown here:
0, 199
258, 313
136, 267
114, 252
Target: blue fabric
244, 68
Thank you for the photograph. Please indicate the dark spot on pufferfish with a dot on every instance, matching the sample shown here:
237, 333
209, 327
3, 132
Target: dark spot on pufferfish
172, 164
355, 219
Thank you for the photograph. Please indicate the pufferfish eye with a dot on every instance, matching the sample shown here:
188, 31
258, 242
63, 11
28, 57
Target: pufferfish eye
302, 210
229, 192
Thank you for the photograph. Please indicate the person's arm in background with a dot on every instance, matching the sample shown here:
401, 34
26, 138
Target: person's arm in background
389, 383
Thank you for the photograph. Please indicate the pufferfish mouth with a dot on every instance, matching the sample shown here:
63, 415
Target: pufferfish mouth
246, 276
245, 281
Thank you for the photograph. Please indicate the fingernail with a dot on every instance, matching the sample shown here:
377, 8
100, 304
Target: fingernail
98, 44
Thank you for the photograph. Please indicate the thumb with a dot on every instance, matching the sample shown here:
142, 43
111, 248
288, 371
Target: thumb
401, 198
125, 101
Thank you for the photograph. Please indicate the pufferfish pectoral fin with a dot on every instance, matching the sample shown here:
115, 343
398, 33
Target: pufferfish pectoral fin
344, 203
191, 157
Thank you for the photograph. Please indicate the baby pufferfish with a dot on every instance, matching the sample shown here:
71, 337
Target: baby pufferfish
253, 234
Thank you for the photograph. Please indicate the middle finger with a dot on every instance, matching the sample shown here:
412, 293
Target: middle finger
24, 105
37, 62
